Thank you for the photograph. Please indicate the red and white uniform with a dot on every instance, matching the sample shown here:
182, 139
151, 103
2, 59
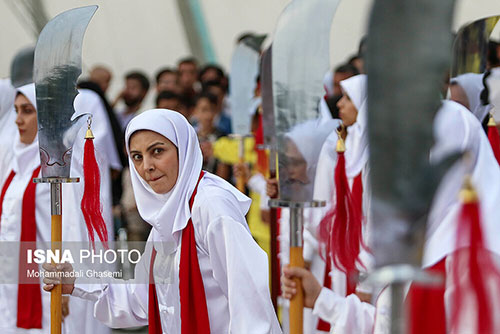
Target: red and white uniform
234, 270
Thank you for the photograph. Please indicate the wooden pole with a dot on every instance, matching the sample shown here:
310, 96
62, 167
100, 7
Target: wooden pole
240, 181
296, 260
56, 238
275, 270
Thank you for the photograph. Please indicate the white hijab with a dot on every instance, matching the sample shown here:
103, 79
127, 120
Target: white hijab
472, 84
457, 130
26, 156
328, 83
356, 153
169, 213
7, 97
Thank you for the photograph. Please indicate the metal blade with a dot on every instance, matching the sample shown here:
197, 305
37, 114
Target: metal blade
402, 103
21, 69
470, 48
243, 73
58, 63
300, 58
266, 91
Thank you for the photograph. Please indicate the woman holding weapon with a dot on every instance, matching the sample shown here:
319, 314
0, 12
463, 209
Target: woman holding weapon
217, 277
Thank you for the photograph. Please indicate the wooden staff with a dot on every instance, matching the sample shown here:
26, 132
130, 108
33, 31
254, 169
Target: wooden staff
296, 260
56, 239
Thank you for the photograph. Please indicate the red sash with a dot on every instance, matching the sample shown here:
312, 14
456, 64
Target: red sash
29, 297
426, 305
194, 312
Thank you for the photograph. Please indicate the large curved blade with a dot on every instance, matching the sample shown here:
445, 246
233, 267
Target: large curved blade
470, 48
402, 103
300, 58
21, 69
266, 91
244, 71
57, 66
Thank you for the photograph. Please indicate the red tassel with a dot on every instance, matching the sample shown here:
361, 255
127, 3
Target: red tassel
494, 138
477, 260
262, 158
427, 313
91, 204
341, 228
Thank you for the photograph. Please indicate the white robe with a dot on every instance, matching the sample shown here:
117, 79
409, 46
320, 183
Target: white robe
80, 318
10, 231
233, 267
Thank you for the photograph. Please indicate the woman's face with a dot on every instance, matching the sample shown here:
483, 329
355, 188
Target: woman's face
347, 110
26, 119
155, 159
296, 165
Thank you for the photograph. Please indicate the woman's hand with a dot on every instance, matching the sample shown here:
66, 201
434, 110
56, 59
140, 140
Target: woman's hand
68, 283
272, 188
242, 170
310, 285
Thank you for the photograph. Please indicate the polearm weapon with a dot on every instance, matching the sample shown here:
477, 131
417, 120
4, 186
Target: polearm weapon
470, 48
243, 72
57, 66
300, 58
269, 130
402, 103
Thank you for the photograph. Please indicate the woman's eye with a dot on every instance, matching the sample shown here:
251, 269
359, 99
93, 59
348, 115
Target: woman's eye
157, 150
136, 157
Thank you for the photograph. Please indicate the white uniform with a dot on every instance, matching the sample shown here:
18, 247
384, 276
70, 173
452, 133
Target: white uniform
8, 127
349, 314
26, 159
234, 269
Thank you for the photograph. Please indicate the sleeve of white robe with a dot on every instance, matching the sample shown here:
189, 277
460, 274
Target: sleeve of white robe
346, 314
119, 304
241, 268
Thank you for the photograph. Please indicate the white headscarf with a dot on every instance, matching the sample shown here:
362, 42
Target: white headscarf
8, 127
457, 130
169, 213
472, 84
328, 83
26, 156
356, 153
7, 97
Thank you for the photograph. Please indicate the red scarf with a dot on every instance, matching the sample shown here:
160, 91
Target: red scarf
194, 312
29, 297
356, 199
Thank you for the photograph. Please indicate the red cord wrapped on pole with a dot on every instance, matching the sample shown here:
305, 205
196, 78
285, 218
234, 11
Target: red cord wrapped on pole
91, 202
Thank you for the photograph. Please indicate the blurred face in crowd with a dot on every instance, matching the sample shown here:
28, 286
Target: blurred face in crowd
187, 75
219, 93
168, 81
337, 78
134, 92
296, 164
347, 110
102, 77
205, 113
210, 75
26, 120
172, 104
155, 159
458, 95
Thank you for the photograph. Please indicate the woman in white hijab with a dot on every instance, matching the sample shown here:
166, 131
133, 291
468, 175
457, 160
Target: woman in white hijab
7, 124
25, 216
350, 314
209, 274
466, 89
